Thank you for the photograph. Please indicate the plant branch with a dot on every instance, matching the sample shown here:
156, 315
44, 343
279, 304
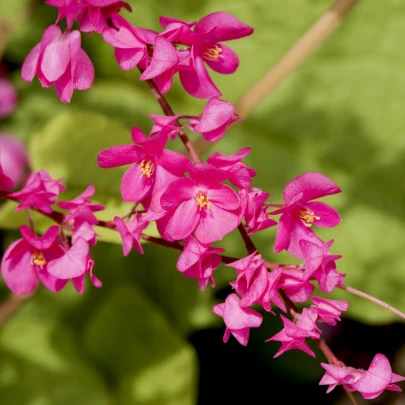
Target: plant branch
372, 299
13, 304
302, 49
167, 109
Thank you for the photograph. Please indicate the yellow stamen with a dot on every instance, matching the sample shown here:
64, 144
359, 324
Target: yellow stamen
212, 53
38, 259
202, 200
147, 168
308, 217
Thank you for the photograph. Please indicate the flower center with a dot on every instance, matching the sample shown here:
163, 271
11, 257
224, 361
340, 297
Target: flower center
212, 53
38, 259
307, 217
147, 168
203, 201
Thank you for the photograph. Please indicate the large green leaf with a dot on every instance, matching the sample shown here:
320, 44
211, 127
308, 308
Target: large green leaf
40, 363
131, 339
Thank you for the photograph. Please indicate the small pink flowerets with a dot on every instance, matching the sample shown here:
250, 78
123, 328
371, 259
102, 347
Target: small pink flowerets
39, 192
199, 261
199, 204
238, 320
93, 15
371, 383
59, 59
217, 116
299, 213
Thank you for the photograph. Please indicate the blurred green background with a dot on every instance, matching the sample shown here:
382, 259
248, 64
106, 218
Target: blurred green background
148, 336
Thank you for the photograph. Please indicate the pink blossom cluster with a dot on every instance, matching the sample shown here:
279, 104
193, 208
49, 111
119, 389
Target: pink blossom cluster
53, 258
194, 204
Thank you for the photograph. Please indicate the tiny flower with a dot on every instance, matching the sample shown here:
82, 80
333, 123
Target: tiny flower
165, 123
152, 167
39, 192
131, 233
370, 383
217, 116
78, 282
296, 286
238, 173
299, 213
238, 320
213, 29
199, 261
329, 310
199, 204
27, 260
130, 43
59, 59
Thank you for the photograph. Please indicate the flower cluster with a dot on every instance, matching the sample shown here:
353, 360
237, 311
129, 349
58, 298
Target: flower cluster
193, 204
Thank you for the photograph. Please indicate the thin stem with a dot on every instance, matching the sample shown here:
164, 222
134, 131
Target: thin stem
169, 112
29, 219
373, 299
307, 44
250, 246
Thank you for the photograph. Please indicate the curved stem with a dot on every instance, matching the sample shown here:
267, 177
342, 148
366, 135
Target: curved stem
373, 299
169, 112
307, 44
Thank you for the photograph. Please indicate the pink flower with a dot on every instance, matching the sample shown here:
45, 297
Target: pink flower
27, 260
165, 123
131, 233
152, 167
299, 213
166, 61
59, 59
293, 335
320, 264
329, 310
8, 98
370, 383
217, 115
238, 320
256, 212
13, 157
78, 282
130, 43
213, 29
296, 287
93, 15
39, 192
238, 173
199, 261
199, 204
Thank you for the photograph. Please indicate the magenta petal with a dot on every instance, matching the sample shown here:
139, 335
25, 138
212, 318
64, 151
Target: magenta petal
55, 60
41, 243
164, 58
180, 223
64, 86
224, 197
29, 67
227, 62
376, 379
313, 255
16, 268
224, 27
83, 76
127, 59
119, 155
52, 283
214, 224
178, 191
241, 335
197, 82
283, 234
126, 236
134, 185
216, 113
73, 263
313, 185
328, 216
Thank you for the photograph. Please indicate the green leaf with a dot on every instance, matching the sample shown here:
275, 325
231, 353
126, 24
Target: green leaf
131, 339
40, 363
